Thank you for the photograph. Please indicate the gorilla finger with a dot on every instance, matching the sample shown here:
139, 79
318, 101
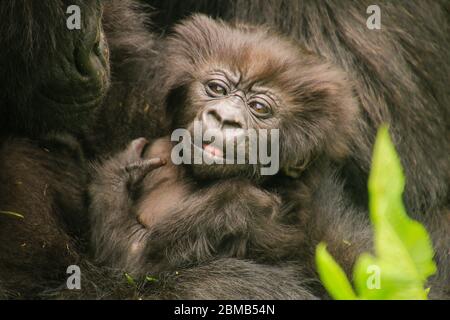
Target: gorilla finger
139, 170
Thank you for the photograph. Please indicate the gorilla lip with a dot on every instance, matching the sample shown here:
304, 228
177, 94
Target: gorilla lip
209, 150
249, 147
212, 150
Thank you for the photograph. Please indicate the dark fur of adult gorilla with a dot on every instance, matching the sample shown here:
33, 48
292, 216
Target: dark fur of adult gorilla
401, 75
55, 84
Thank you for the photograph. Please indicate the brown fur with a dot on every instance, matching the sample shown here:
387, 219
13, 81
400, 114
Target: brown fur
153, 220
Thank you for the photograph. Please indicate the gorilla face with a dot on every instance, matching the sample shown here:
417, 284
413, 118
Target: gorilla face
54, 77
238, 80
77, 81
228, 108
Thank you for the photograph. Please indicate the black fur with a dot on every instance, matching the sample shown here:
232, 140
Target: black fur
47, 130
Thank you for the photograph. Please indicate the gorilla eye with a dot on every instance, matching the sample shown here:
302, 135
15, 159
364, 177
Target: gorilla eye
260, 108
215, 89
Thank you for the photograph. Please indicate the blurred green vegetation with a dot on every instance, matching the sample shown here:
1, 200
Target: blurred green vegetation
403, 258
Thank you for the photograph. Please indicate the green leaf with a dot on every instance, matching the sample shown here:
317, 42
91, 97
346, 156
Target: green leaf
390, 220
376, 279
333, 277
12, 214
151, 279
402, 246
130, 280
404, 254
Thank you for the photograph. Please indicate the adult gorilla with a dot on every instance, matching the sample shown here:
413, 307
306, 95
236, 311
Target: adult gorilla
54, 81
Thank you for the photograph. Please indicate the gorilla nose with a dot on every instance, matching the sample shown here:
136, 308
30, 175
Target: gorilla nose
223, 117
91, 58
87, 62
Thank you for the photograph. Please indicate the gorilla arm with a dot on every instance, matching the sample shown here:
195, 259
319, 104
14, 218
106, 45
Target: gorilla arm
232, 217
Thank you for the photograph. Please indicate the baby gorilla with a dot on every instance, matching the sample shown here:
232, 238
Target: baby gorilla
149, 215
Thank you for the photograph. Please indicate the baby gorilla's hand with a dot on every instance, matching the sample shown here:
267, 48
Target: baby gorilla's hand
136, 166
135, 151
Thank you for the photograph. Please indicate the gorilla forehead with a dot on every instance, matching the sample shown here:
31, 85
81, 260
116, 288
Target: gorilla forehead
252, 52
255, 54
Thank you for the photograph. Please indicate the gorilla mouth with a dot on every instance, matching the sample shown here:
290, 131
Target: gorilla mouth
217, 154
210, 151
217, 146
213, 150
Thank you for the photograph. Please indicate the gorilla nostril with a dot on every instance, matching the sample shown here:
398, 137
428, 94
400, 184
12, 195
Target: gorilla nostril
88, 60
231, 124
223, 117
212, 116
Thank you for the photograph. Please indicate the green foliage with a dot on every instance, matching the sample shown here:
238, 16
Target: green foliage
403, 252
12, 214
130, 280
151, 279
331, 273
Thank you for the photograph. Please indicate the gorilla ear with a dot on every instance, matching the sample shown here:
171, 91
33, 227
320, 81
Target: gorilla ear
296, 171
